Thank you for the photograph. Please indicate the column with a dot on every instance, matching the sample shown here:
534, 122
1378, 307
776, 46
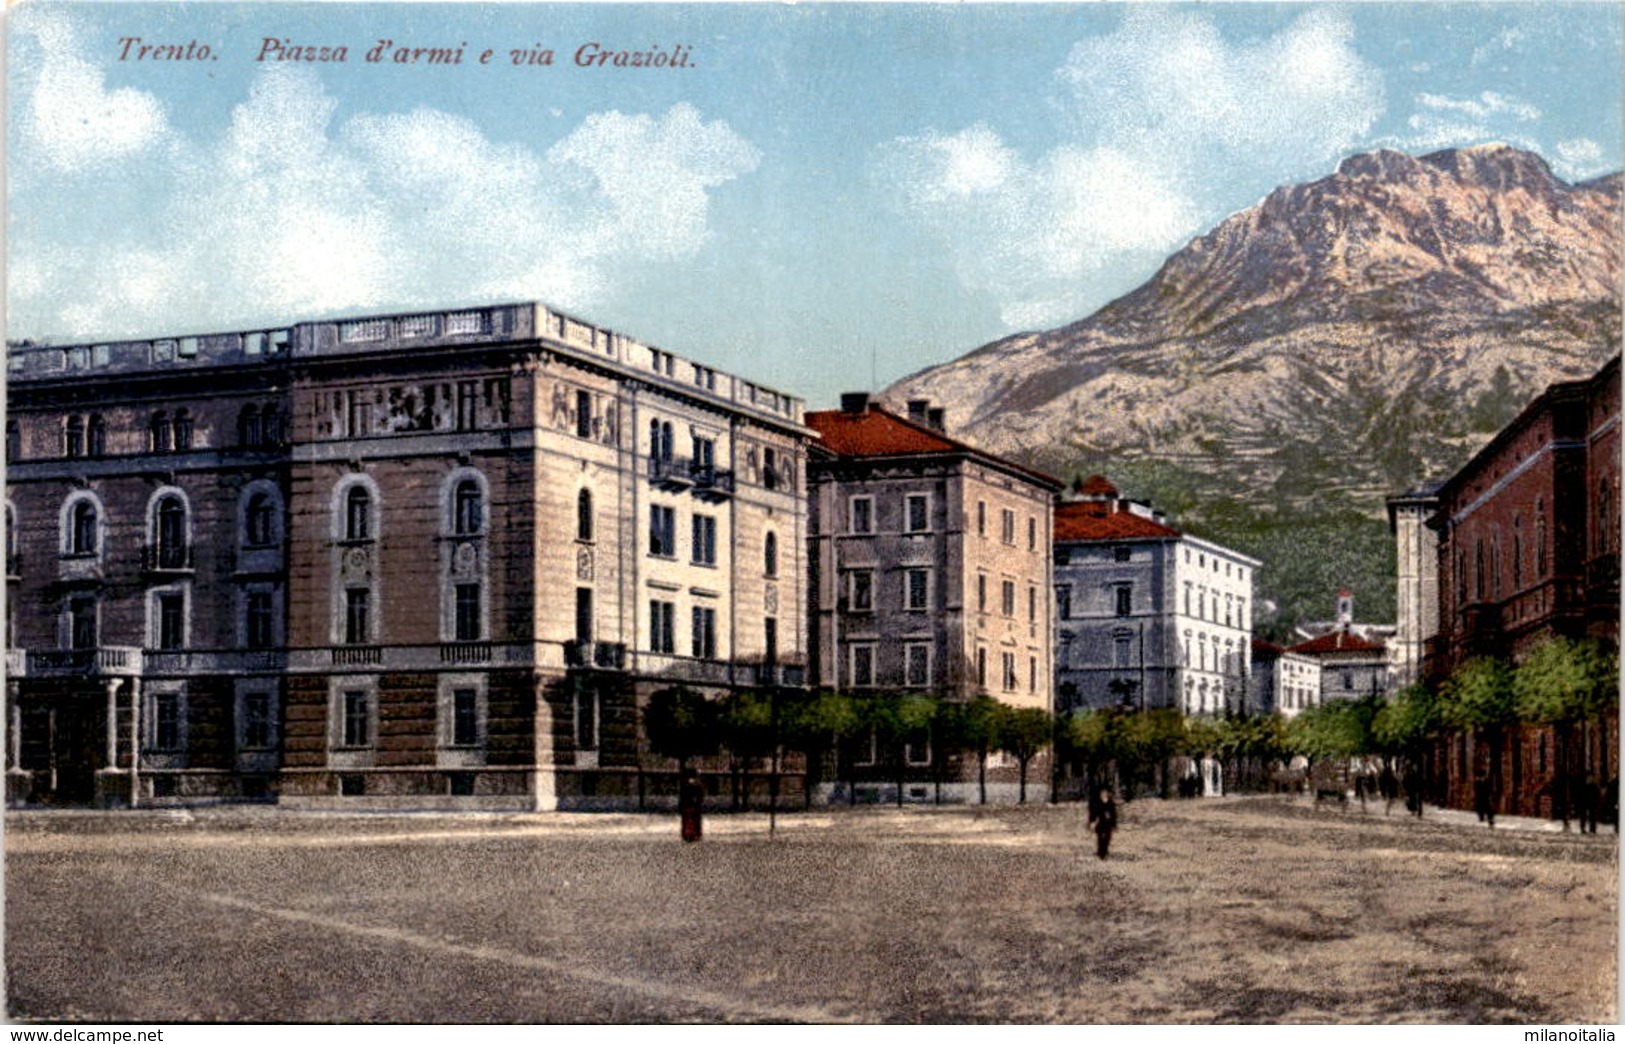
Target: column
14, 727
112, 685
135, 741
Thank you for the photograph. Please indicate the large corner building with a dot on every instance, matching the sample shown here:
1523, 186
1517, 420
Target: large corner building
421, 559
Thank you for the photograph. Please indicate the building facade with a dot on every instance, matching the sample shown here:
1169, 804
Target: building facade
1528, 549
1147, 616
423, 559
929, 565
1416, 553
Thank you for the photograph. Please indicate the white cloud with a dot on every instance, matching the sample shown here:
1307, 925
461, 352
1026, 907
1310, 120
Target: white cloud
1578, 159
1488, 105
1442, 121
1153, 110
71, 119
295, 210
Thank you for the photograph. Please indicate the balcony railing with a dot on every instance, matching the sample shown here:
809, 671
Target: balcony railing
356, 655
101, 660
671, 473
602, 656
465, 652
712, 483
166, 558
780, 675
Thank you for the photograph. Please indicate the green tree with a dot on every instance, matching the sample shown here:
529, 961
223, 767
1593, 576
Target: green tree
747, 724
1477, 699
1564, 683
912, 722
817, 724
1405, 723
1023, 732
975, 727
682, 724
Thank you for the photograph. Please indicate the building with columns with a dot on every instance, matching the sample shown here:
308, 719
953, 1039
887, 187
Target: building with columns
1416, 553
435, 559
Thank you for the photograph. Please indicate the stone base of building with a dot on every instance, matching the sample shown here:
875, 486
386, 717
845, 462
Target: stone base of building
914, 793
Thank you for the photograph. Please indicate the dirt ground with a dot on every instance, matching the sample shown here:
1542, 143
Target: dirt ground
1253, 910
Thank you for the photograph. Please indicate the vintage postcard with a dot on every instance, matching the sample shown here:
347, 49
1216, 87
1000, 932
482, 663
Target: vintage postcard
827, 513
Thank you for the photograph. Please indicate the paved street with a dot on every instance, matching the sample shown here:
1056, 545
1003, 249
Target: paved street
1235, 910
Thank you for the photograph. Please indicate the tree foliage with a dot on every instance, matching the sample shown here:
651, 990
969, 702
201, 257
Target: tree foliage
1564, 681
1477, 696
682, 723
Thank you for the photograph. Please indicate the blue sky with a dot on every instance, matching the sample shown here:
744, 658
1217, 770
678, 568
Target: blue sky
829, 197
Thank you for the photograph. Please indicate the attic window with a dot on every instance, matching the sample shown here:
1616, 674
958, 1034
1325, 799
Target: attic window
187, 348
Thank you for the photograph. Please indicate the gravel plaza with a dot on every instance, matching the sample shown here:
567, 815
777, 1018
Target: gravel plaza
1233, 910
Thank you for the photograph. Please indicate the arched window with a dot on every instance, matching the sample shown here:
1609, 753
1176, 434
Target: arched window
1602, 516
270, 426
468, 509
1540, 538
584, 515
1517, 553
183, 430
770, 554
97, 436
249, 432
160, 432
169, 532
358, 514
1479, 574
74, 440
259, 521
82, 531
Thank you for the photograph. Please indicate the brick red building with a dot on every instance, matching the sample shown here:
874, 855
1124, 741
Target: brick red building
1528, 549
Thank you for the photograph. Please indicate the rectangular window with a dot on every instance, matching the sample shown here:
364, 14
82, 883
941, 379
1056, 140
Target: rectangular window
257, 633
1122, 649
981, 592
82, 622
468, 401
1125, 599
1032, 605
917, 664
583, 614
1009, 662
662, 617
705, 455
586, 715
981, 518
770, 640
981, 667
583, 415
467, 599
1063, 601
862, 594
863, 510
917, 589
705, 540
863, 665
357, 611
1007, 526
171, 621
917, 749
357, 718
1007, 597
662, 531
465, 717
1032, 674
256, 720
166, 721
1032, 533
917, 511
704, 641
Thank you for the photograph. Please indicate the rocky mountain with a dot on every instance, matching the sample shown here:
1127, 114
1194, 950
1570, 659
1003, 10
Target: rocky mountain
1340, 341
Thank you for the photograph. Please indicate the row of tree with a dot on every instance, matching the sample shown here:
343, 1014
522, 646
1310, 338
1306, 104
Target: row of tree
894, 731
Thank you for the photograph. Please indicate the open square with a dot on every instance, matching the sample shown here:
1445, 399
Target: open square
1232, 910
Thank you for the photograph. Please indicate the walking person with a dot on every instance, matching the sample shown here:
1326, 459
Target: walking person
690, 800
1103, 820
1484, 801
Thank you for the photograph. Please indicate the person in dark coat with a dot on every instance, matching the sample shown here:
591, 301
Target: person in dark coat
690, 800
1388, 786
1483, 801
1103, 820
1413, 791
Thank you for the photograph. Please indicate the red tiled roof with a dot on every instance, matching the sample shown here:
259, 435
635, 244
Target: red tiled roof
1263, 645
1095, 486
1337, 641
877, 432
1095, 520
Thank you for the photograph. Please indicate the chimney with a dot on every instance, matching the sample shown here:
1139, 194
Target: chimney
917, 409
854, 402
933, 418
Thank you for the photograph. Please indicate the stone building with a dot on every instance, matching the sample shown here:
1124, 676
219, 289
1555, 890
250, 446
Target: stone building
1347, 666
426, 559
1528, 549
929, 570
1148, 616
1416, 551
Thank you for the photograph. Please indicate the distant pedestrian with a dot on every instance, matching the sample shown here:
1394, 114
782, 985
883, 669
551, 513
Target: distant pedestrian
690, 800
1413, 791
1103, 820
1388, 786
1590, 805
1483, 801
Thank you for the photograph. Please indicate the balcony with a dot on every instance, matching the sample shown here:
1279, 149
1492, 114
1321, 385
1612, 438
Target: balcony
105, 660
356, 655
601, 656
166, 559
780, 676
465, 652
687, 669
673, 474
713, 484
